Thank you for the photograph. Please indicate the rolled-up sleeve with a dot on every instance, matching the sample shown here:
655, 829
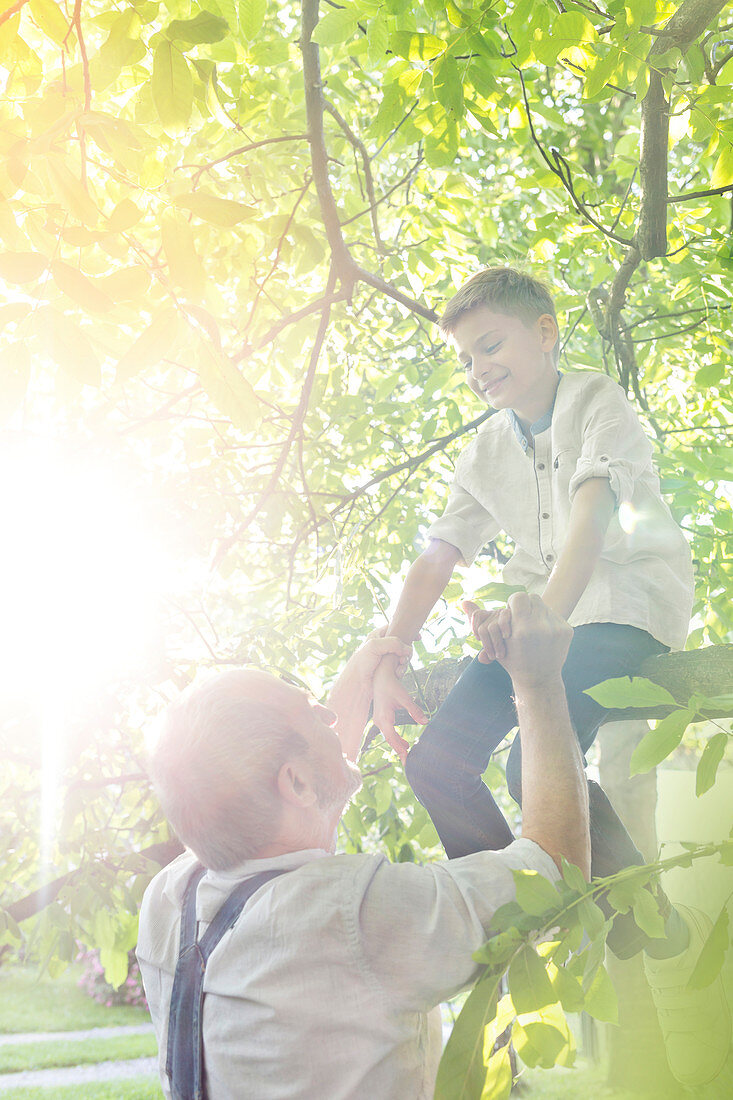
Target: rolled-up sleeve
465, 524
614, 445
420, 925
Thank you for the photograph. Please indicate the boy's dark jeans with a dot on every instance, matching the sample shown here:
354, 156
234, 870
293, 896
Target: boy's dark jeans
445, 766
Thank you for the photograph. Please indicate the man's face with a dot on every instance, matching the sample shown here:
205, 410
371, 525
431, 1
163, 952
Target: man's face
507, 360
335, 778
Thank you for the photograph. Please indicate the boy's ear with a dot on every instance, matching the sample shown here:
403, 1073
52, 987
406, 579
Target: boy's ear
294, 785
548, 330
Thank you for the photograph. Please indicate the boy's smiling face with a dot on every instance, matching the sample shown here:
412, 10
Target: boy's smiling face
508, 361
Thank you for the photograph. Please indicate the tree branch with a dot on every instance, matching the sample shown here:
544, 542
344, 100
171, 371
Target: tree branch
11, 11
314, 108
360, 147
681, 30
687, 195
38, 900
239, 152
295, 426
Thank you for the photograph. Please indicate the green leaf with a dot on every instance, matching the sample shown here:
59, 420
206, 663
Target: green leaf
172, 87
538, 1043
529, 984
647, 915
591, 916
707, 768
712, 956
462, 1071
72, 193
204, 27
568, 990
22, 267
211, 208
67, 345
153, 344
251, 17
498, 1081
79, 287
184, 263
535, 893
656, 745
723, 170
234, 396
50, 18
417, 46
337, 25
625, 692
124, 216
447, 84
573, 876
601, 1001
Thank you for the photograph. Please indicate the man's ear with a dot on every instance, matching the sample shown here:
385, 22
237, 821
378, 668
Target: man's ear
295, 786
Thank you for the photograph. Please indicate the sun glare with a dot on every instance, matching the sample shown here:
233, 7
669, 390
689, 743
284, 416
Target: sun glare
80, 571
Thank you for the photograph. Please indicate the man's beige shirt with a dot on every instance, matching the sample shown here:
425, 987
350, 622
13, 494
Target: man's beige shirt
326, 987
643, 577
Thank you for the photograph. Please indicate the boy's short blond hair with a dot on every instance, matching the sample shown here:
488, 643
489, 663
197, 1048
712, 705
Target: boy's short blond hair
504, 289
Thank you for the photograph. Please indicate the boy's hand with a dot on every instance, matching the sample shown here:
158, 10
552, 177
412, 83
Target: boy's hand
389, 697
492, 628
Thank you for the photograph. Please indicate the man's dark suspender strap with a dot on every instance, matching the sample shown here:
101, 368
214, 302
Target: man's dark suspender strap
185, 1054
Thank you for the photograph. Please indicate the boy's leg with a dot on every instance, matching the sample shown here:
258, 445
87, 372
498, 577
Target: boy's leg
445, 766
601, 651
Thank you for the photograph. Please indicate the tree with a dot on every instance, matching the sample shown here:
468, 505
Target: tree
226, 229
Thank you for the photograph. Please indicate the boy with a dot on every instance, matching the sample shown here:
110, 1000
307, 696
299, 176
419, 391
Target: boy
565, 469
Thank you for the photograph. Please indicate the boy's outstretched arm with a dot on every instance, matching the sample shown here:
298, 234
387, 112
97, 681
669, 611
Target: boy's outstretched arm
424, 585
590, 514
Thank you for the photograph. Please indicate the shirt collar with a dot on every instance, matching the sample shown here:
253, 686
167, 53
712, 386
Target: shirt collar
539, 426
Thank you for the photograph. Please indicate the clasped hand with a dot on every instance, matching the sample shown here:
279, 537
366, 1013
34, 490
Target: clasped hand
527, 637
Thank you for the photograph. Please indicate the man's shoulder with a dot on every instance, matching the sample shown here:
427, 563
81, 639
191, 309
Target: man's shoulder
170, 882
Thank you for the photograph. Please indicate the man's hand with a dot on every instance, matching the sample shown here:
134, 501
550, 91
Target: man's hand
538, 646
389, 697
492, 628
351, 695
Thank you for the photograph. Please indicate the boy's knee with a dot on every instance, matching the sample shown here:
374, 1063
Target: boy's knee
419, 768
514, 777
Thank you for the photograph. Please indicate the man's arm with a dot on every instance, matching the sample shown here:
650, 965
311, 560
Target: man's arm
424, 584
554, 786
590, 514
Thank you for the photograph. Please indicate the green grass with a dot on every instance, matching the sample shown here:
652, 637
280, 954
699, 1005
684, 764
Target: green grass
75, 1052
30, 1003
584, 1083
142, 1088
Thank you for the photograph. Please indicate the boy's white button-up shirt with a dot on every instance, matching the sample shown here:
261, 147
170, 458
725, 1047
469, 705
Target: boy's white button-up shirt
644, 575
326, 987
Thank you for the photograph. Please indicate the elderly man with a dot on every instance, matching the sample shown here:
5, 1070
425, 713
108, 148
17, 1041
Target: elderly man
326, 986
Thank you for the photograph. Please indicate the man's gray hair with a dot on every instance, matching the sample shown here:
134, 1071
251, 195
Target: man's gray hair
214, 767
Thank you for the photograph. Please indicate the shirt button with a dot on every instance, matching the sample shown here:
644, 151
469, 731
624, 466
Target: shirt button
540, 465
550, 557
545, 515
604, 458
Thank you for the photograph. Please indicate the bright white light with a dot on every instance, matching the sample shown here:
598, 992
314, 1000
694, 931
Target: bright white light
80, 573
627, 517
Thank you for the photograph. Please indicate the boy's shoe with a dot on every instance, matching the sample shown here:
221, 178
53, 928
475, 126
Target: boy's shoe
695, 1023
